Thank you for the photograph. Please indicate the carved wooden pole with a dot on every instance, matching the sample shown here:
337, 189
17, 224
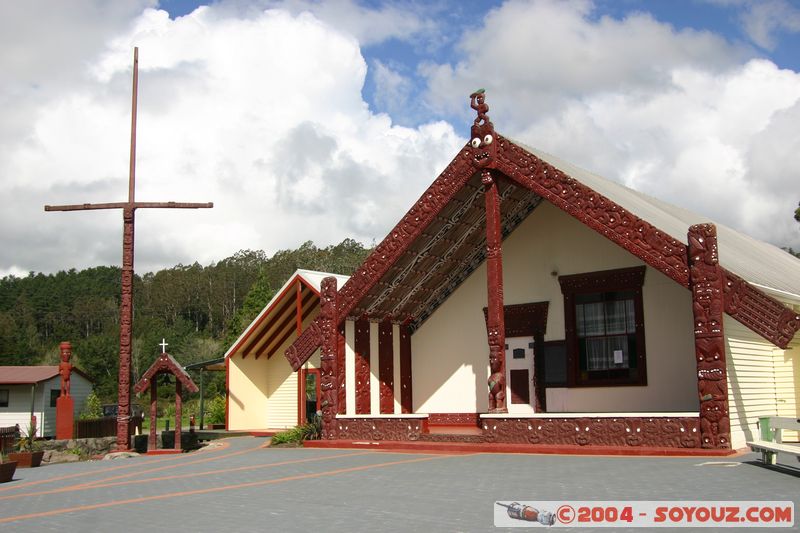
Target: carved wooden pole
494, 280
329, 382
178, 411
707, 284
152, 440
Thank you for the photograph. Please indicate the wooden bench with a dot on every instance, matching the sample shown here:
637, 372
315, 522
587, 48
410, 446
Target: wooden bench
771, 442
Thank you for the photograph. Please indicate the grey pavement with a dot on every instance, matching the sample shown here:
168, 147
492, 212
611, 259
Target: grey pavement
246, 487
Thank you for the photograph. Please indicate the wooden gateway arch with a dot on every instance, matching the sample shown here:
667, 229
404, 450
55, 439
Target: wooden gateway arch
126, 303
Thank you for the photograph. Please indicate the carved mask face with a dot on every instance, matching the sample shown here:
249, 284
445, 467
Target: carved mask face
483, 144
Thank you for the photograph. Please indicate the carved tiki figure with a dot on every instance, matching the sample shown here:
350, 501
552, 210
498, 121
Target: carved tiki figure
483, 135
497, 379
65, 367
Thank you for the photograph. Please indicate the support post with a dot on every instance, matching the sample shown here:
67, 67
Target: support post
152, 439
707, 284
329, 382
202, 397
495, 321
178, 412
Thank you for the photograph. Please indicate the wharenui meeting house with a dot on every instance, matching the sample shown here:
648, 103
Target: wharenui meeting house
525, 301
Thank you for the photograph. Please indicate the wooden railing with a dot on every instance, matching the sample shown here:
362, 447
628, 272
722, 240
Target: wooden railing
103, 427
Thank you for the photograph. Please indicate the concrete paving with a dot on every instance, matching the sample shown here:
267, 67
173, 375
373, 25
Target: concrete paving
243, 486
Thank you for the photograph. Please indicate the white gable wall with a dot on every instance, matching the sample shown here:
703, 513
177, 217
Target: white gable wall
450, 351
19, 404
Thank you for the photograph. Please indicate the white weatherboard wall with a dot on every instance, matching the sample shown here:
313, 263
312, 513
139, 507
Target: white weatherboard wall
450, 352
762, 381
19, 404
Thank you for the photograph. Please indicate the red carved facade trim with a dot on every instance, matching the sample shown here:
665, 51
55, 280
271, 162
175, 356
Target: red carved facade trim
454, 419
386, 367
676, 432
764, 315
381, 429
305, 345
406, 390
707, 284
362, 353
639, 237
329, 381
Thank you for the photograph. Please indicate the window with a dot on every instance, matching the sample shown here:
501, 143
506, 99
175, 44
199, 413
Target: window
3, 397
54, 394
604, 326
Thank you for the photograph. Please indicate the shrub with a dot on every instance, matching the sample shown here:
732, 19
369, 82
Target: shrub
309, 431
215, 410
92, 409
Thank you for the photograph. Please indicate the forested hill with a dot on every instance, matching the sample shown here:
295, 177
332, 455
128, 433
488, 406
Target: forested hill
198, 309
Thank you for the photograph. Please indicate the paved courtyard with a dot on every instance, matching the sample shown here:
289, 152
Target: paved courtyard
242, 486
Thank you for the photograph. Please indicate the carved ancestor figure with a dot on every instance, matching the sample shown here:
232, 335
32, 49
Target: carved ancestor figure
65, 367
497, 379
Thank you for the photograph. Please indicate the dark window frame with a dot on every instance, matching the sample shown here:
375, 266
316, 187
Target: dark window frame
4, 403
607, 281
54, 397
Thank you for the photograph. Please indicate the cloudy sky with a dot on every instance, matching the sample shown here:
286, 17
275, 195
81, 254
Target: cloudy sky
305, 120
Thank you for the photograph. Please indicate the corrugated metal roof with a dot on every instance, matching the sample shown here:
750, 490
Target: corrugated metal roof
20, 375
762, 264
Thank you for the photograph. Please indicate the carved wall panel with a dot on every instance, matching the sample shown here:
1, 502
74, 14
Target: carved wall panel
386, 367
454, 419
362, 349
599, 431
305, 345
378, 429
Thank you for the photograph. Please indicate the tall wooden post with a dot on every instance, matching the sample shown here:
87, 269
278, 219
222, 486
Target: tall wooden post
494, 281
178, 412
329, 381
126, 302
707, 308
152, 440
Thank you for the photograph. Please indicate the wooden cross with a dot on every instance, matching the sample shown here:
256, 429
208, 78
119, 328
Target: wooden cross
126, 305
163, 345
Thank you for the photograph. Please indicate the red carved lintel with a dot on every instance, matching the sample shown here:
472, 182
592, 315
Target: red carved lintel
495, 324
707, 282
386, 367
329, 381
362, 353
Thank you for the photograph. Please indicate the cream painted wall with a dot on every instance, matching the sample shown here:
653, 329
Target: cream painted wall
247, 394
762, 381
450, 352
263, 392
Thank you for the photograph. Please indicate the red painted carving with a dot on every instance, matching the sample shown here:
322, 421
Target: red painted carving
178, 413
764, 315
152, 439
362, 350
126, 302
482, 131
340, 368
329, 382
65, 407
641, 238
386, 367
377, 429
707, 307
305, 345
406, 396
597, 431
495, 326
454, 419
744, 302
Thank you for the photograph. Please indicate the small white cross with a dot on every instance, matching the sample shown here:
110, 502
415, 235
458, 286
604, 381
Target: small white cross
163, 345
